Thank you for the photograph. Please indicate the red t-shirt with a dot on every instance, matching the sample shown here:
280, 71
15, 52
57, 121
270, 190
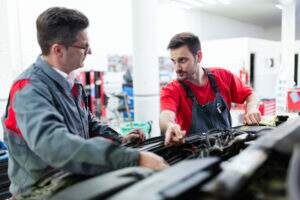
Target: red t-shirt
173, 97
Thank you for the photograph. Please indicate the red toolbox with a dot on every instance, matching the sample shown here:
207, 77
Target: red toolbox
267, 107
293, 100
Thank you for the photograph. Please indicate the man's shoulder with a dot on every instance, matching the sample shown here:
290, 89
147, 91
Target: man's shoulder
30, 78
31, 73
221, 73
174, 84
218, 70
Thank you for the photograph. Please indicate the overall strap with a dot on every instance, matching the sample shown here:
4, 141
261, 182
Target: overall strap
212, 80
188, 90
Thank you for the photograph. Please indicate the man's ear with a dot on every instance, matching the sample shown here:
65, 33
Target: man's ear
57, 50
199, 56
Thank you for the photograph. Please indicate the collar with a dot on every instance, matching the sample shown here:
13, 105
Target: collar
69, 77
55, 75
65, 75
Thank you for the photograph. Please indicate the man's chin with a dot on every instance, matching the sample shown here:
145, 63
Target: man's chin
181, 78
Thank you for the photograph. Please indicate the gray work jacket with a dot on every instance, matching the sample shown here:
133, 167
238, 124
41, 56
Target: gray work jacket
47, 128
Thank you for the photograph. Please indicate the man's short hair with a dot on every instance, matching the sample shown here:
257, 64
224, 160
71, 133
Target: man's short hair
185, 38
59, 25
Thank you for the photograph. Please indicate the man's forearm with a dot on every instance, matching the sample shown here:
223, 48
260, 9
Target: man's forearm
251, 103
166, 118
252, 115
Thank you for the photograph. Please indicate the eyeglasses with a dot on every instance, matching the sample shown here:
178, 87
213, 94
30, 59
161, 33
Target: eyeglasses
87, 49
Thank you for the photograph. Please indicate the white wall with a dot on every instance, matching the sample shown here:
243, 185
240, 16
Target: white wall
225, 53
297, 46
233, 54
10, 54
173, 19
209, 27
265, 76
274, 33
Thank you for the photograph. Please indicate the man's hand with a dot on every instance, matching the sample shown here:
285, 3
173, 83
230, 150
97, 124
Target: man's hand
136, 136
252, 118
174, 135
152, 161
252, 115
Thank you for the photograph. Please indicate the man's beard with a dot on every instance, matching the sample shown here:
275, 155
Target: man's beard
183, 75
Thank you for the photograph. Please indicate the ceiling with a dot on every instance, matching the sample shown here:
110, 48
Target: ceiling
258, 12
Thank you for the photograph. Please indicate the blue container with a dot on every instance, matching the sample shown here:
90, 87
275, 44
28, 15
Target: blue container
129, 91
3, 151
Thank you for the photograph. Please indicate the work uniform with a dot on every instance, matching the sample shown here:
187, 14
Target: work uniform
202, 108
48, 127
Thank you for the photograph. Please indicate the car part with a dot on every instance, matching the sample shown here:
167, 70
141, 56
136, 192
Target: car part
103, 186
173, 182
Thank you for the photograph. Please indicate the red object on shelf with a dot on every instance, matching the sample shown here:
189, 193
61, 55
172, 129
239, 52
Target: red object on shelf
244, 76
81, 78
93, 83
267, 107
100, 84
92, 94
293, 100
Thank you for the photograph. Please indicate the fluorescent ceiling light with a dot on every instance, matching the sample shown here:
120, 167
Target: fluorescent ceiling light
278, 6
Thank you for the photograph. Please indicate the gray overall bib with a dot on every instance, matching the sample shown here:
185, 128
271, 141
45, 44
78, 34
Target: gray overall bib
213, 115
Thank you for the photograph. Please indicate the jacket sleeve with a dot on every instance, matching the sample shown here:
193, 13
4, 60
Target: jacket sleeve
96, 128
46, 134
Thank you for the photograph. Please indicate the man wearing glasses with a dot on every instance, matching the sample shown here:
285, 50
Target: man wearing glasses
47, 125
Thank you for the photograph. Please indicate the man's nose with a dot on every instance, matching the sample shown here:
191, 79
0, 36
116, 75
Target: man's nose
177, 66
89, 51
